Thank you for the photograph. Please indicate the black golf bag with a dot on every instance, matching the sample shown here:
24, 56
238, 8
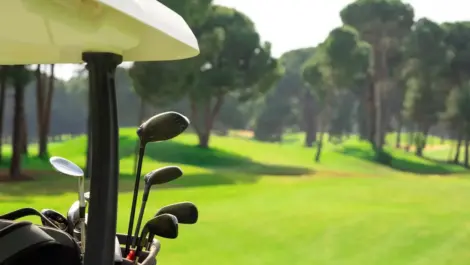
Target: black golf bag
24, 243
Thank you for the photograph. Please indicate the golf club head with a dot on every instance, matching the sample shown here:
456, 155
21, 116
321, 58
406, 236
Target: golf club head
165, 225
55, 217
162, 175
162, 127
185, 212
66, 167
73, 215
87, 196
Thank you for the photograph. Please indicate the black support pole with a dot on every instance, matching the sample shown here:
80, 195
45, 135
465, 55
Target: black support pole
104, 158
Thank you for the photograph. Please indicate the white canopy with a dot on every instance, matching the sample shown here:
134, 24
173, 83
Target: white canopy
59, 31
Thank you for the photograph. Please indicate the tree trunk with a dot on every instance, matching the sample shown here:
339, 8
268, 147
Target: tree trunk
15, 166
466, 149
203, 123
323, 124
3, 88
309, 119
459, 144
319, 146
24, 140
47, 114
380, 83
40, 111
399, 129
370, 109
422, 144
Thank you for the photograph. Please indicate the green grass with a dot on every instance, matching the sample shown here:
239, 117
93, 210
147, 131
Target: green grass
271, 204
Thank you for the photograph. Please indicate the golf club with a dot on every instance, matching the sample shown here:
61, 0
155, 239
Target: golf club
58, 219
87, 196
185, 212
155, 177
165, 225
73, 217
67, 167
161, 127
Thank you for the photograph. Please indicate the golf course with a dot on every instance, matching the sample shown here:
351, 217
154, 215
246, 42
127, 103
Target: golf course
270, 203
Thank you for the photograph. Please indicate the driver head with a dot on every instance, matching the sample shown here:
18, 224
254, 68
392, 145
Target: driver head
162, 127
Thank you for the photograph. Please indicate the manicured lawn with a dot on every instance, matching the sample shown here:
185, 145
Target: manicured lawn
271, 204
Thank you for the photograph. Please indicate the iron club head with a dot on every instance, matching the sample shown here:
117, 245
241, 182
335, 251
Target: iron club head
185, 212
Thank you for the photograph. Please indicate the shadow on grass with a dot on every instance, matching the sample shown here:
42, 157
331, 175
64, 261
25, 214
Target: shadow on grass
53, 184
222, 168
405, 164
174, 152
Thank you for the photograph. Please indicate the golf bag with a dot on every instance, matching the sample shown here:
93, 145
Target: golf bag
23, 243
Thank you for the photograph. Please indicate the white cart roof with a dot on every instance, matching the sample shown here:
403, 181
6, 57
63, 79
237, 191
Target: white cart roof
59, 31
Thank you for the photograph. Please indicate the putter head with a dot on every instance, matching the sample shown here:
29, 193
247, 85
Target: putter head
162, 127
162, 175
66, 167
165, 225
185, 212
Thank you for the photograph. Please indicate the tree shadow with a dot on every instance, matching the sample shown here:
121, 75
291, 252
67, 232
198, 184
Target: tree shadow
174, 152
54, 184
402, 163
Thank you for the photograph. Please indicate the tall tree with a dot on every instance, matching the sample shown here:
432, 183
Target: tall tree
3, 88
382, 23
458, 38
20, 78
428, 60
337, 64
232, 61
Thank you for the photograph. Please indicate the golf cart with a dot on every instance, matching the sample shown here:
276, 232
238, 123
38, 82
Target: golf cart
101, 33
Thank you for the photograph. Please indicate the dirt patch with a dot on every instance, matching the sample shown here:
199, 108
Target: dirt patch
243, 133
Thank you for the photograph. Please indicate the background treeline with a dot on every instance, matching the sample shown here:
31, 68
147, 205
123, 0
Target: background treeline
382, 71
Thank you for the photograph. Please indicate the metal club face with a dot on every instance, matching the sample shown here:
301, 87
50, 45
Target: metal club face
185, 212
66, 167
162, 127
73, 214
165, 225
162, 175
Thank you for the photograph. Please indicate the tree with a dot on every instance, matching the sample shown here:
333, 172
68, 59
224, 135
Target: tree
457, 39
3, 87
20, 78
383, 24
232, 61
428, 59
288, 101
339, 63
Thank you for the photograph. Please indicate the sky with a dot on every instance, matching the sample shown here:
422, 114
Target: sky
294, 24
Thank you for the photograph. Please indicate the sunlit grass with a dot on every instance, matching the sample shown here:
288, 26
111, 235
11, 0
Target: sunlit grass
263, 203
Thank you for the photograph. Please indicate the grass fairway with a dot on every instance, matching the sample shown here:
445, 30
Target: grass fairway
270, 204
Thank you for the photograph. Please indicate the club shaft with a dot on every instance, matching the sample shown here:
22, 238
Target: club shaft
134, 198
82, 234
149, 243
139, 222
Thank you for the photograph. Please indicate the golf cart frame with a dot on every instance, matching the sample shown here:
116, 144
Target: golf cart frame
101, 33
